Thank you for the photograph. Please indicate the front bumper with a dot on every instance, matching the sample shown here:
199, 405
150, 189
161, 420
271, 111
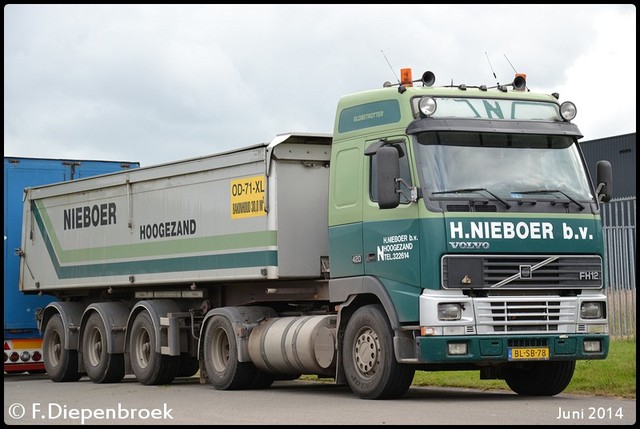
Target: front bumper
495, 349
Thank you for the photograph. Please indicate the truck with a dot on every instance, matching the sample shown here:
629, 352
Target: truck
437, 228
22, 340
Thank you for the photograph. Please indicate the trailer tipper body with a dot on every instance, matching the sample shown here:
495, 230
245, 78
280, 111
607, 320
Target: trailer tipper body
437, 228
22, 340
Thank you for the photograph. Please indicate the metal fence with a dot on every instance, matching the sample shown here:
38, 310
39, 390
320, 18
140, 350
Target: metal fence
619, 229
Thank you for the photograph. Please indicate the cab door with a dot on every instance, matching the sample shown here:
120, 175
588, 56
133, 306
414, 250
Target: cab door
390, 236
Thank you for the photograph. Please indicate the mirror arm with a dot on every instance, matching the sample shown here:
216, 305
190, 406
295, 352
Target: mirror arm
413, 197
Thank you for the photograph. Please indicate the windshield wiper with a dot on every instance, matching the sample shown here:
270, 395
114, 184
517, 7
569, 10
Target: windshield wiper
463, 190
551, 191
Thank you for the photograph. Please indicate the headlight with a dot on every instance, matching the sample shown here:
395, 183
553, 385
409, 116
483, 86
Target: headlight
427, 106
449, 311
591, 310
568, 110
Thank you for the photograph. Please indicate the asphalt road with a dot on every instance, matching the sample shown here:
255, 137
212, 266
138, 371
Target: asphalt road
33, 399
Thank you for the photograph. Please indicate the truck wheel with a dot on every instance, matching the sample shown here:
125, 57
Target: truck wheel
540, 378
149, 366
221, 358
368, 359
101, 366
61, 364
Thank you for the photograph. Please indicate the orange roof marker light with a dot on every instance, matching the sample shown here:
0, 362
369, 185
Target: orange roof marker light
405, 77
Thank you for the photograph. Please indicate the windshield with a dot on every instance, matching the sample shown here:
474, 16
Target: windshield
508, 166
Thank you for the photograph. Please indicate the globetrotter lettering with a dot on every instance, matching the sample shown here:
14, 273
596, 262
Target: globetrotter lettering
365, 116
172, 228
86, 216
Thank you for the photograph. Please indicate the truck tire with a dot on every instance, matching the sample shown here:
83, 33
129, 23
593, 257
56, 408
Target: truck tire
101, 366
540, 378
224, 370
61, 364
368, 359
149, 366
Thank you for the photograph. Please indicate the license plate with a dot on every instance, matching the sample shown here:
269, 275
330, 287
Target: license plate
529, 353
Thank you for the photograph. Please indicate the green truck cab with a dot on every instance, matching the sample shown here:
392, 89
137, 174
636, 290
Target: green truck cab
469, 214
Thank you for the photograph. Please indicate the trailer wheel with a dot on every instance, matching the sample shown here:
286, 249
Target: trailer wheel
368, 359
540, 378
101, 366
221, 358
61, 364
149, 366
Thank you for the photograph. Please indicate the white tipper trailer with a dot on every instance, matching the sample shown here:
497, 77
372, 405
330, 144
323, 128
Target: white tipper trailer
142, 247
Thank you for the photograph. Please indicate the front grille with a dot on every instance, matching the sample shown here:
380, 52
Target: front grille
525, 315
522, 272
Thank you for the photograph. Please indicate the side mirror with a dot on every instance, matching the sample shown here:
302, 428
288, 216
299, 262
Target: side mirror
388, 167
605, 181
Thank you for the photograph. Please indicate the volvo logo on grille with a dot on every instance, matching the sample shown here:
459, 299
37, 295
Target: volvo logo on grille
525, 271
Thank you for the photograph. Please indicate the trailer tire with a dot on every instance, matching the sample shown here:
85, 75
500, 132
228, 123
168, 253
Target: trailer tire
540, 378
101, 366
149, 366
224, 371
369, 362
61, 364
